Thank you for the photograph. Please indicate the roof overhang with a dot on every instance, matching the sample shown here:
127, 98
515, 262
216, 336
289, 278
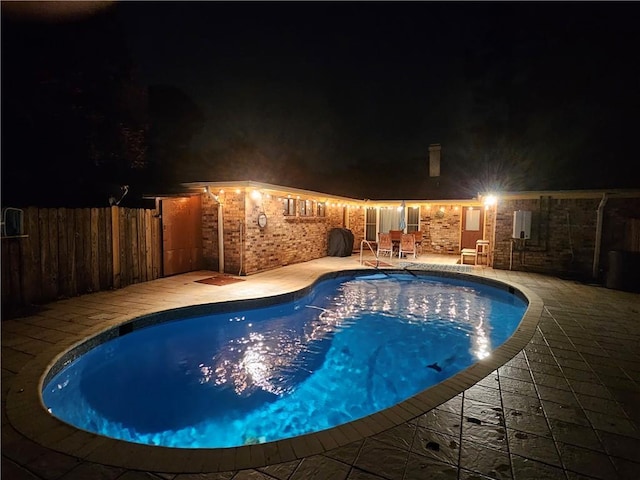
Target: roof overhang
248, 186
275, 190
584, 194
280, 190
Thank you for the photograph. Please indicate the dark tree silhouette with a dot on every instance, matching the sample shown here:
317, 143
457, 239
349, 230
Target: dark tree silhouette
73, 114
175, 120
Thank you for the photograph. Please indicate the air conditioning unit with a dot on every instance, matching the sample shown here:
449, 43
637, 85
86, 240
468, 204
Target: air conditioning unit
12, 222
521, 224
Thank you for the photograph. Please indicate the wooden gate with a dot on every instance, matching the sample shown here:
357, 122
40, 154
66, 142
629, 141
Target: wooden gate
181, 235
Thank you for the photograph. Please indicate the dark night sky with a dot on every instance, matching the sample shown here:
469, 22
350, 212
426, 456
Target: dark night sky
546, 94
355, 83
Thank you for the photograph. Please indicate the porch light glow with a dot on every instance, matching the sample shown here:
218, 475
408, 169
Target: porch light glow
256, 195
490, 200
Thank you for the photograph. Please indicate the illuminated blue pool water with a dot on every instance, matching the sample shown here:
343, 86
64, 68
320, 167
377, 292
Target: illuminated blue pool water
353, 346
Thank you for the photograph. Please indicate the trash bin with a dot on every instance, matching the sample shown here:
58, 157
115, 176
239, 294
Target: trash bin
340, 242
623, 271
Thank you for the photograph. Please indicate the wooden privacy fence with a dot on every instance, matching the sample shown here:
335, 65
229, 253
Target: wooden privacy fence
66, 252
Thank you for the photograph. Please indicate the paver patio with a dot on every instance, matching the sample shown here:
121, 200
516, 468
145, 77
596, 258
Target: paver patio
565, 407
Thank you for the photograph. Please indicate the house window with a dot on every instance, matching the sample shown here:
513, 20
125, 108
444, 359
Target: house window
371, 232
289, 207
389, 219
413, 219
472, 220
321, 210
306, 208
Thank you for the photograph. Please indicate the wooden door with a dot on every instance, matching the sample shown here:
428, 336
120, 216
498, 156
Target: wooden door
472, 226
181, 235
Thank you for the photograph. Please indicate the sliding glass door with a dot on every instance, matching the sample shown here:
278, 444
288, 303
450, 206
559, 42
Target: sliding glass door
385, 219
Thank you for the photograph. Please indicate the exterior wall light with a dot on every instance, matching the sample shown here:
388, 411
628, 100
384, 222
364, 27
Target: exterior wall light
490, 200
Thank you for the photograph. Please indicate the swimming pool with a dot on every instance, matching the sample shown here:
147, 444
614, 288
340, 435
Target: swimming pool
283, 380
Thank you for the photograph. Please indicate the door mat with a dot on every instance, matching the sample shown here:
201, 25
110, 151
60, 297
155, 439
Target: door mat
220, 280
372, 263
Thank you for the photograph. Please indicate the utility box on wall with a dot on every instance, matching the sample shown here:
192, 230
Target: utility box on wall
522, 224
12, 222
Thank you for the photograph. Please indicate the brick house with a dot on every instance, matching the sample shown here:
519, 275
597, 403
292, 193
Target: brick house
572, 233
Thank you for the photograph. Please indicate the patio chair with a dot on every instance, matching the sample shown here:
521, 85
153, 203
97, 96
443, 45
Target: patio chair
418, 237
385, 245
395, 236
407, 245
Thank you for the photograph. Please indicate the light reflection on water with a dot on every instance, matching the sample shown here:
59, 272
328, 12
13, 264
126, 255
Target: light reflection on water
351, 348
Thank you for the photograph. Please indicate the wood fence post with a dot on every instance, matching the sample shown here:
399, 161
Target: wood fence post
94, 265
32, 259
115, 242
157, 241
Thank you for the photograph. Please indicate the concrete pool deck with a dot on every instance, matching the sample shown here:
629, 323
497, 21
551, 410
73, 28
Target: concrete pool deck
566, 404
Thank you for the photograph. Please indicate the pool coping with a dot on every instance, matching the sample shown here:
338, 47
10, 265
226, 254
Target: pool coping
27, 413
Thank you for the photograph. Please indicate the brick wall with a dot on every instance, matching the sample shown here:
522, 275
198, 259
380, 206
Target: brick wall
209, 232
440, 232
233, 218
489, 222
563, 234
562, 240
356, 225
285, 239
